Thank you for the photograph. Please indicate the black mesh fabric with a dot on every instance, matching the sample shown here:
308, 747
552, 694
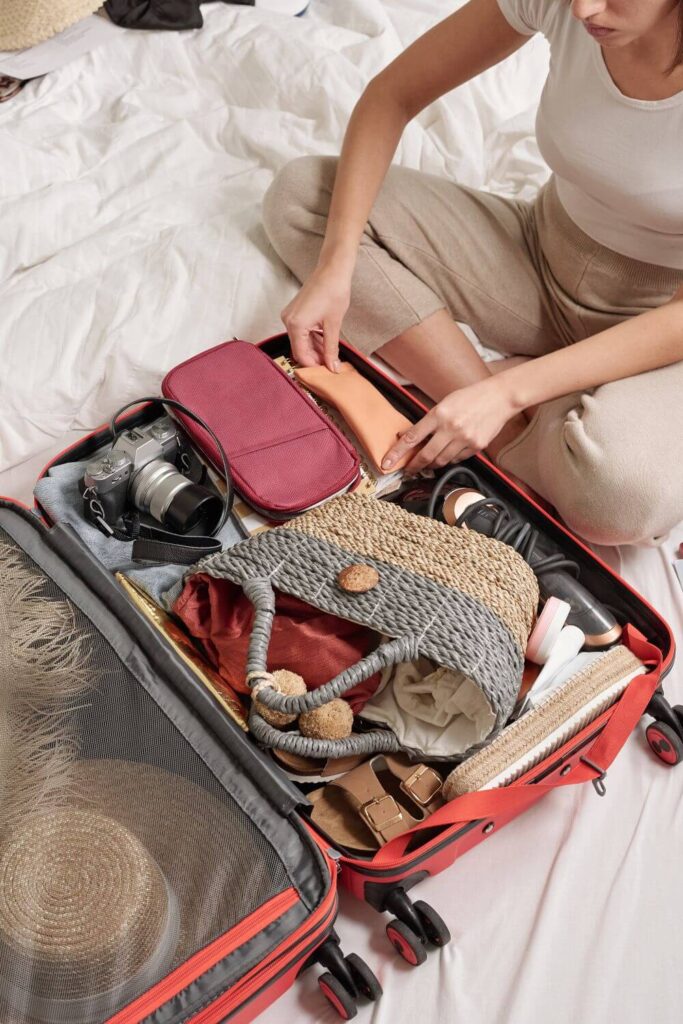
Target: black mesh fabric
121, 854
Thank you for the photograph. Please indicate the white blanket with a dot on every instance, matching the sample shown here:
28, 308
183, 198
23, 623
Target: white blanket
131, 183
130, 238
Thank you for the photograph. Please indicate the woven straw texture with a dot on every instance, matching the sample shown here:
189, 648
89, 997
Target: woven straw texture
46, 665
24, 23
484, 569
197, 847
83, 906
457, 597
160, 881
121, 854
536, 725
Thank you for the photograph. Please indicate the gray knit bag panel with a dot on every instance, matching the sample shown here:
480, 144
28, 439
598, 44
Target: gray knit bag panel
423, 616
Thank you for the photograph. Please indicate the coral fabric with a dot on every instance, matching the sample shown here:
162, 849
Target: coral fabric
305, 640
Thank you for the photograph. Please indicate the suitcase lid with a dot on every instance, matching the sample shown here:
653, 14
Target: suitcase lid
144, 855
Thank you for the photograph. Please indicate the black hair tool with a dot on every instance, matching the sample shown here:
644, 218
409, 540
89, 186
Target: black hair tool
468, 505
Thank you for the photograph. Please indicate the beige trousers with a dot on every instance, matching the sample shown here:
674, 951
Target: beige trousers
527, 280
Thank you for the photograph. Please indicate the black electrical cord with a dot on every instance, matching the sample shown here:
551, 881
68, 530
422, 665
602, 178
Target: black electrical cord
520, 536
229, 496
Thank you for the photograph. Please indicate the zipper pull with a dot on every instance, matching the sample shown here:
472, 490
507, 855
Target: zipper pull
335, 856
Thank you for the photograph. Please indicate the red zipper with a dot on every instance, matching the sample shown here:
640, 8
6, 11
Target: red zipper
205, 959
221, 1008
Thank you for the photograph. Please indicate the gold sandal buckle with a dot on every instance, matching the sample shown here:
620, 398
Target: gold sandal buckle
423, 785
382, 812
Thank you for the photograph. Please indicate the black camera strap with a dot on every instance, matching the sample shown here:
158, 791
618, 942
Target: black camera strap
156, 545
152, 543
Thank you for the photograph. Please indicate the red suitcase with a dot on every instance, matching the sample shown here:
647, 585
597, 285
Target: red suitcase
385, 879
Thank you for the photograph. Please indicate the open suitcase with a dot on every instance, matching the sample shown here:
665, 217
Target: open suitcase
231, 892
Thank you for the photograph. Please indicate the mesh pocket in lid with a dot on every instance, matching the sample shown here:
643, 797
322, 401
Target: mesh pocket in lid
86, 916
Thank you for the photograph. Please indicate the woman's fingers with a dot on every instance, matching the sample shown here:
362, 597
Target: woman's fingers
409, 439
313, 320
451, 453
331, 345
303, 342
443, 445
431, 453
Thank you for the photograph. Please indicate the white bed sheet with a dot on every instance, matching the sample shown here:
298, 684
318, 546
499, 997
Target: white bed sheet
130, 238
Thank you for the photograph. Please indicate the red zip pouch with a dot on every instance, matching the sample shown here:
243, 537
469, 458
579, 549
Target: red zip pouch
285, 454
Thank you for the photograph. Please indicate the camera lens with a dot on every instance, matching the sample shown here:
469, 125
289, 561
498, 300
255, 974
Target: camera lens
172, 499
192, 505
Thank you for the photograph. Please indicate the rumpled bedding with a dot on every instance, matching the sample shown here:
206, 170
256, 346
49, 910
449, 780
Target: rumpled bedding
131, 183
130, 238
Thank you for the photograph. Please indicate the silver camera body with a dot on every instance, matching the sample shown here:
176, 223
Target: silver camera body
141, 470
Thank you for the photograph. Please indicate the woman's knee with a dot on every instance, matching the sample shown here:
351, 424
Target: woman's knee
602, 483
299, 189
612, 497
609, 511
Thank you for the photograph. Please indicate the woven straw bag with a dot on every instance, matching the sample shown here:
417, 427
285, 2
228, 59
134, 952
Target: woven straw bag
460, 598
25, 23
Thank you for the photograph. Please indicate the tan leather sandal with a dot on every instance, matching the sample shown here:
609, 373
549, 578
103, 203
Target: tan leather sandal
381, 799
315, 769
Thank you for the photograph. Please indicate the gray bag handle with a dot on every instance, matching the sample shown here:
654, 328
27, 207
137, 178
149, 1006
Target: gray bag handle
405, 648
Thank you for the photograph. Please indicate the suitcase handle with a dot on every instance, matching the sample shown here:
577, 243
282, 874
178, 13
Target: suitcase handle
594, 762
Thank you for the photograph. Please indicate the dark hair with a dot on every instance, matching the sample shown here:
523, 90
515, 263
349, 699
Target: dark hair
678, 59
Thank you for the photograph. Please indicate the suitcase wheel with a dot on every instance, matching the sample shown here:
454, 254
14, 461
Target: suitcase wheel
365, 981
418, 918
665, 742
337, 995
409, 945
433, 926
346, 979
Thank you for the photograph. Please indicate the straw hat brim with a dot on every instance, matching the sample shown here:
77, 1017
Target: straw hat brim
85, 913
193, 837
25, 23
189, 832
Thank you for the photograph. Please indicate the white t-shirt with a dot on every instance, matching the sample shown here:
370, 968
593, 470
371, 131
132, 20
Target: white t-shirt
618, 162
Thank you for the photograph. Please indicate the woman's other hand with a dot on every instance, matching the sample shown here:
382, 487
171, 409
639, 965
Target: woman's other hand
460, 425
314, 317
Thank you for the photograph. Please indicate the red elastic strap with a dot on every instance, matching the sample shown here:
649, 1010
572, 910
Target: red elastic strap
517, 797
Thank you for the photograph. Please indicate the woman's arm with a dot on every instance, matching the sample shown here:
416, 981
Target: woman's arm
461, 46
473, 38
466, 421
641, 343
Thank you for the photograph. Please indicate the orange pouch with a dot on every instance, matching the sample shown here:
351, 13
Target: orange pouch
372, 418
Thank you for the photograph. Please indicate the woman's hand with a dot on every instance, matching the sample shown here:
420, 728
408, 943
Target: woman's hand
314, 316
460, 425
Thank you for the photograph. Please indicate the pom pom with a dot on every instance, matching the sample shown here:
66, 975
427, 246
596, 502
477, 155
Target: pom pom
291, 685
333, 721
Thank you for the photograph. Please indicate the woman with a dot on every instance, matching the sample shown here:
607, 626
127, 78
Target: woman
582, 289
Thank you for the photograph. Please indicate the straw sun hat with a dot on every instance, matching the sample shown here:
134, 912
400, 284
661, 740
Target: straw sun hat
101, 897
25, 23
121, 854
86, 916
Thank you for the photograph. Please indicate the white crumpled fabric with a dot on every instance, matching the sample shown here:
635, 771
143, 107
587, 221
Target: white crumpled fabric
131, 183
435, 711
